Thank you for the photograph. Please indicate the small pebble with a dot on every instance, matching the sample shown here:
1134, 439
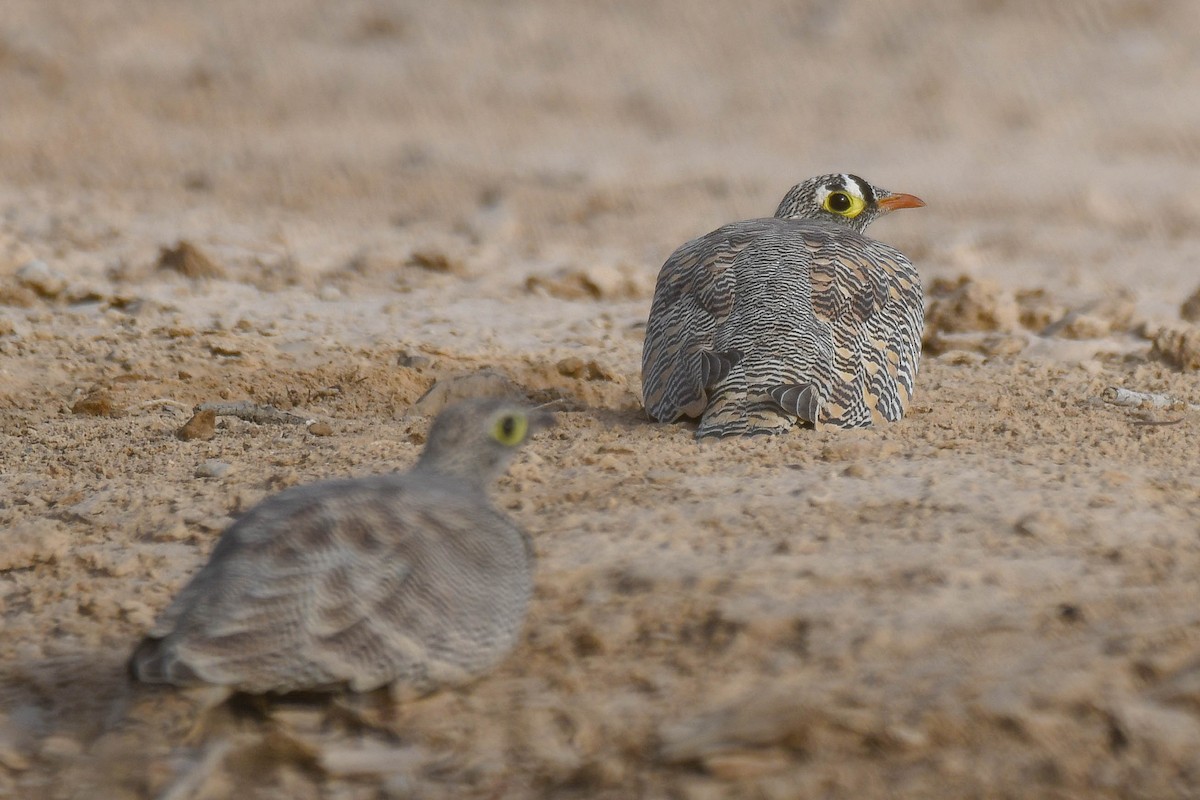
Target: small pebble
1190, 310
436, 261
97, 404
38, 275
414, 360
571, 366
212, 469
575, 367
189, 260
202, 426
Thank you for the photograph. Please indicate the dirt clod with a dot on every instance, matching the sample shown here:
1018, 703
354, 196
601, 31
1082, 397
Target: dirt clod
1190, 310
202, 426
1178, 346
968, 304
97, 403
189, 260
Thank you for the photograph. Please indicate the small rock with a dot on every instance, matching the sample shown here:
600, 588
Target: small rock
18, 296
1038, 310
229, 350
595, 282
202, 426
436, 261
189, 261
859, 470
197, 181
414, 360
1086, 326
1190, 310
98, 403
1178, 346
320, 429
212, 468
960, 358
571, 366
607, 281
970, 304
1043, 526
1001, 344
38, 275
574, 367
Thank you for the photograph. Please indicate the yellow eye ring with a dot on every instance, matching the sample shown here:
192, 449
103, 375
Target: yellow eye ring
510, 428
843, 204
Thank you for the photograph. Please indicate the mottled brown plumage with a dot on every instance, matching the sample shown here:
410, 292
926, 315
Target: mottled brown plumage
800, 318
410, 579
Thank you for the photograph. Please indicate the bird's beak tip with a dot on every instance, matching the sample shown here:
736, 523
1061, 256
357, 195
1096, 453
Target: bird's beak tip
894, 202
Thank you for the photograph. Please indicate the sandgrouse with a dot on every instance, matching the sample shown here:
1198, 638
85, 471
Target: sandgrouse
409, 580
800, 318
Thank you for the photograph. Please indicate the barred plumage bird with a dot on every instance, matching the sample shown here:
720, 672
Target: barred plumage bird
800, 318
410, 580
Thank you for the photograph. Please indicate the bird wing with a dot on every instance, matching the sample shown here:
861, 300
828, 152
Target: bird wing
829, 324
304, 579
871, 296
693, 296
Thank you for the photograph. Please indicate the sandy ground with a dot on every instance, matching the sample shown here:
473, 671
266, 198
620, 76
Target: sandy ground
996, 597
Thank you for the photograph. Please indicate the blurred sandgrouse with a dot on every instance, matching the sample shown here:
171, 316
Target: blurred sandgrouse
800, 318
410, 580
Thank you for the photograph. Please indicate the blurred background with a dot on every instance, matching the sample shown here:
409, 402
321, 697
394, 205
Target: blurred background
1053, 141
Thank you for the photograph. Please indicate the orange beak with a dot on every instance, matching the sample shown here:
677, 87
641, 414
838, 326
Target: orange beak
892, 202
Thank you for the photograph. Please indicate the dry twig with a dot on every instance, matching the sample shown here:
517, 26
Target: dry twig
252, 412
1128, 398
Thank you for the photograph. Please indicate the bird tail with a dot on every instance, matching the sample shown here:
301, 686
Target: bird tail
154, 662
146, 662
739, 416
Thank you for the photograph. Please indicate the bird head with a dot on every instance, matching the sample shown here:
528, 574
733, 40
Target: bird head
476, 439
846, 199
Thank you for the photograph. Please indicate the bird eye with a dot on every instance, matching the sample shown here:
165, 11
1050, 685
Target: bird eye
844, 204
510, 429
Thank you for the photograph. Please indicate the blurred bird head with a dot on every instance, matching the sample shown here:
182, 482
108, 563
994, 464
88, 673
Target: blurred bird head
846, 199
475, 439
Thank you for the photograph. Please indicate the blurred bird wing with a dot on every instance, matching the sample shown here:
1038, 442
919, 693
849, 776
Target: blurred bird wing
694, 295
295, 573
